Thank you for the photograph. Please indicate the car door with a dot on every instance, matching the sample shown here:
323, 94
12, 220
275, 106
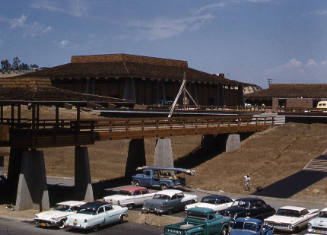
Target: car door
147, 178
110, 215
137, 197
212, 224
173, 203
99, 217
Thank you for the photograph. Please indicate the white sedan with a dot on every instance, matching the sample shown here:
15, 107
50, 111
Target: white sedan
291, 218
93, 215
57, 216
215, 202
318, 225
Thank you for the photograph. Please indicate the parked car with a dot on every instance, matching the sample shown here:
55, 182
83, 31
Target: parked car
318, 225
249, 207
291, 218
200, 221
168, 201
163, 177
93, 215
58, 216
131, 196
215, 202
250, 226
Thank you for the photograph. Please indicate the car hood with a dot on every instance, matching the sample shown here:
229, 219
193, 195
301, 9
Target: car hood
242, 232
319, 222
48, 215
283, 219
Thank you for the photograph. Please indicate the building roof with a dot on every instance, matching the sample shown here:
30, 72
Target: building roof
34, 89
123, 65
289, 91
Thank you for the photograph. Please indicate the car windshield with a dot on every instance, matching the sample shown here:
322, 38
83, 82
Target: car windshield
288, 212
246, 226
88, 211
161, 196
323, 214
241, 203
62, 208
209, 200
125, 192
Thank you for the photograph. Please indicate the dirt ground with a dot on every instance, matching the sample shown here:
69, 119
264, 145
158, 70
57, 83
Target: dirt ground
268, 157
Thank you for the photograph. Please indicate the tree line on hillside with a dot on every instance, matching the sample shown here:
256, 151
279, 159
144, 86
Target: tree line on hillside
16, 65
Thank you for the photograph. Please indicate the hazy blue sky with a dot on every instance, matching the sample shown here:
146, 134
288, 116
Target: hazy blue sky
248, 40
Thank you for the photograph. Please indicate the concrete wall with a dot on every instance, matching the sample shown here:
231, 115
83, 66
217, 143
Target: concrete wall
299, 103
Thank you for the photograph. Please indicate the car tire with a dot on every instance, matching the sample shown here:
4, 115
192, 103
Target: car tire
137, 183
61, 223
224, 231
163, 186
121, 219
95, 228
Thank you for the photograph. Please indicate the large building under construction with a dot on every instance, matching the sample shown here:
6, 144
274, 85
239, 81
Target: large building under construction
142, 79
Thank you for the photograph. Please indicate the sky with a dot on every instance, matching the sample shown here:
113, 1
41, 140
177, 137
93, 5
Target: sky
247, 40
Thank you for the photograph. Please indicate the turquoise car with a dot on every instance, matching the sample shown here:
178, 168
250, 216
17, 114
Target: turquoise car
249, 226
200, 221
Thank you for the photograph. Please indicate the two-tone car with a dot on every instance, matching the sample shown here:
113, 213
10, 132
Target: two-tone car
96, 214
249, 207
58, 216
318, 225
131, 196
291, 218
214, 202
168, 201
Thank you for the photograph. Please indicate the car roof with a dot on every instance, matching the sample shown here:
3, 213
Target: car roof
247, 219
132, 188
169, 192
71, 203
217, 197
177, 170
94, 205
324, 209
295, 208
201, 210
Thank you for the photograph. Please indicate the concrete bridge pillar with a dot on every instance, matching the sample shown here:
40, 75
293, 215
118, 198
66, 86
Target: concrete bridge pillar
136, 157
233, 143
83, 184
32, 191
222, 142
163, 154
15, 159
2, 171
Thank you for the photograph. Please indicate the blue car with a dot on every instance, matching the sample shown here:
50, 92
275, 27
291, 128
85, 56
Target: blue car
249, 226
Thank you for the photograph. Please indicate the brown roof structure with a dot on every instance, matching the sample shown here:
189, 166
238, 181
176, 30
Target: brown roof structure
34, 89
123, 65
289, 91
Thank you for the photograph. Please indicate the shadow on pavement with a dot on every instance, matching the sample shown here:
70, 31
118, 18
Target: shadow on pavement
291, 185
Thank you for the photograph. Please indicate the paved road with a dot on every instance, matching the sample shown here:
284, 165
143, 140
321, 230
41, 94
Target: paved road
8, 227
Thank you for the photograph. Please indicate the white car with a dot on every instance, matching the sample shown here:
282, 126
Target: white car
130, 197
57, 216
318, 225
215, 202
291, 218
93, 215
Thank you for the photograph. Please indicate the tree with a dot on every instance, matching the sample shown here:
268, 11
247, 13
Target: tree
5, 65
24, 66
15, 63
34, 66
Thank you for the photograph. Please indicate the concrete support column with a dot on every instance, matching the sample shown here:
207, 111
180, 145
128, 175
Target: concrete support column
32, 191
136, 157
2, 171
163, 154
15, 159
233, 143
83, 184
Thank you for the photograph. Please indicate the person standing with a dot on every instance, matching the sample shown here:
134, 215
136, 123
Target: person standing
247, 180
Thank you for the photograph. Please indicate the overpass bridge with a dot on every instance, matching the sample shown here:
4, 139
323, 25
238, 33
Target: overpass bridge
26, 136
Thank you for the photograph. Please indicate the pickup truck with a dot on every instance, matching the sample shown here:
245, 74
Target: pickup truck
163, 177
200, 221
